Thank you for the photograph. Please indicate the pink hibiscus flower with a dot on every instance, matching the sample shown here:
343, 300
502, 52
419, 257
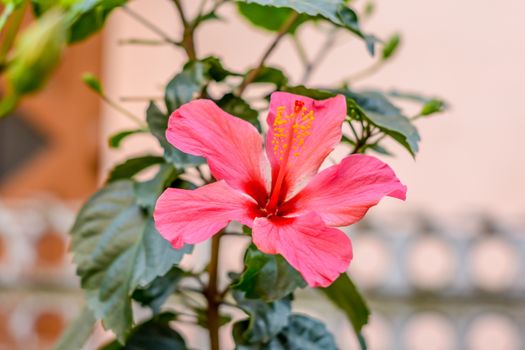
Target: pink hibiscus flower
294, 210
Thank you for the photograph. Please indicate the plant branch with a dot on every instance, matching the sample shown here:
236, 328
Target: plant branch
301, 51
148, 42
362, 141
320, 56
212, 293
188, 42
151, 26
140, 98
282, 32
124, 111
370, 70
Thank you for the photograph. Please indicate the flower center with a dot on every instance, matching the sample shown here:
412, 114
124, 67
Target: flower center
289, 134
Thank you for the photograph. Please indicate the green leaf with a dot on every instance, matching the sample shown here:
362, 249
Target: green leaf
41, 6
240, 108
132, 167
202, 317
84, 17
387, 117
37, 53
209, 16
375, 108
334, 11
89, 16
380, 149
7, 10
148, 191
115, 140
266, 319
78, 332
271, 75
302, 333
433, 106
158, 123
325, 8
430, 106
152, 335
391, 46
344, 294
93, 83
157, 292
117, 249
353, 109
263, 270
185, 85
214, 69
267, 17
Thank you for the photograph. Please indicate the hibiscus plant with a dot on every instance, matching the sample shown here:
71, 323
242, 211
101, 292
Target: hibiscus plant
217, 168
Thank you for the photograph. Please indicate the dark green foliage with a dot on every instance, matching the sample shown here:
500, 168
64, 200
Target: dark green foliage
301, 333
387, 117
376, 110
158, 123
115, 140
84, 17
117, 249
335, 11
271, 75
239, 108
133, 166
121, 257
152, 335
89, 16
266, 319
263, 270
185, 86
344, 294
269, 18
158, 291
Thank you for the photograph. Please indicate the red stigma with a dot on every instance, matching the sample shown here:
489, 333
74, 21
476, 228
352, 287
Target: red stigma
298, 106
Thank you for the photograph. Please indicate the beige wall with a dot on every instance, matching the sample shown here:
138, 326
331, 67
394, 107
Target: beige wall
471, 52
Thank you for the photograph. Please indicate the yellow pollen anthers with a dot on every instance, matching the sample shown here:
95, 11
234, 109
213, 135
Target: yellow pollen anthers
291, 130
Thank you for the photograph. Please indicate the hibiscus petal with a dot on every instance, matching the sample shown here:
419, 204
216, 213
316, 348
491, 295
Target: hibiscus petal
306, 129
320, 253
232, 146
343, 193
192, 216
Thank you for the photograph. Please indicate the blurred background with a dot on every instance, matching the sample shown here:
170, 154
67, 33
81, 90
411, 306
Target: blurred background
445, 270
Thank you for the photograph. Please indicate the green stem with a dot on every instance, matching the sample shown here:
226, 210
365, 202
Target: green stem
124, 111
301, 51
362, 141
212, 293
370, 70
254, 73
146, 23
321, 55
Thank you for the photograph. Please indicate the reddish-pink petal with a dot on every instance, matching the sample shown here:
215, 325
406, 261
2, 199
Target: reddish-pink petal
185, 216
232, 146
343, 193
305, 129
320, 253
